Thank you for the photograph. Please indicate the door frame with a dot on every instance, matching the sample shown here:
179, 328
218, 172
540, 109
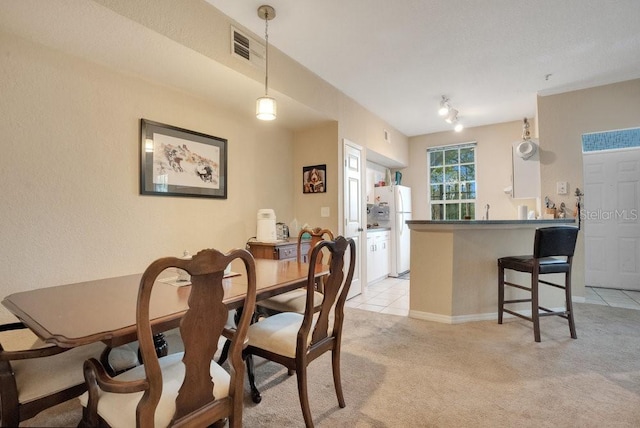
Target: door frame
361, 241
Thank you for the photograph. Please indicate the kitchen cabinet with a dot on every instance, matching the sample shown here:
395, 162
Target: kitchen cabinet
281, 250
378, 255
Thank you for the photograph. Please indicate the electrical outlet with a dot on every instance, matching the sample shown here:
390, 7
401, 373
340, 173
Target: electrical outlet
561, 187
324, 211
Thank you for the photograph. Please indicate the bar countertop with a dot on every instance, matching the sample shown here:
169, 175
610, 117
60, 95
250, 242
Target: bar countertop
486, 224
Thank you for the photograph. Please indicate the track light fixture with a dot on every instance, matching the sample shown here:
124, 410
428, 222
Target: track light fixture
450, 114
266, 106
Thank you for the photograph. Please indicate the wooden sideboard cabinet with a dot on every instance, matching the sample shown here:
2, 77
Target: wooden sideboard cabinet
281, 250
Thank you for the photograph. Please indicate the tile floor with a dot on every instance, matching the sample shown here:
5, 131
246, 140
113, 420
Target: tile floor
612, 297
391, 296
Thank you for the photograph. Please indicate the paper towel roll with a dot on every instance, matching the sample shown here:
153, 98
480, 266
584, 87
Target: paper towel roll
522, 212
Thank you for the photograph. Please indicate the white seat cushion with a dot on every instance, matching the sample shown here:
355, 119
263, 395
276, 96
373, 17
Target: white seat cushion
39, 377
124, 357
119, 410
276, 333
291, 301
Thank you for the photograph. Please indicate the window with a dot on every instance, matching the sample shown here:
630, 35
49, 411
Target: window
452, 182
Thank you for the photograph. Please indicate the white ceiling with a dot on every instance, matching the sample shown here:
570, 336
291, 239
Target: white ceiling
396, 58
491, 57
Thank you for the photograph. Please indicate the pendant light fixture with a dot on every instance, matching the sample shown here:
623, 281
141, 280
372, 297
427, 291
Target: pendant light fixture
266, 106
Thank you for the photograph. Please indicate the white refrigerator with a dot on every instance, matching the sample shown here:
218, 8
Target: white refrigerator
398, 198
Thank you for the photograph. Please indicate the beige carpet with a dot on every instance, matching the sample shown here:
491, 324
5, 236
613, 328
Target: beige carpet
400, 372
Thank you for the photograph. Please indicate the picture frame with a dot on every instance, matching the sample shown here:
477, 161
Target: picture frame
178, 162
314, 179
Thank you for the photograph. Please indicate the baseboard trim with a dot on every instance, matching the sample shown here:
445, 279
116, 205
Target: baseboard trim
447, 319
460, 319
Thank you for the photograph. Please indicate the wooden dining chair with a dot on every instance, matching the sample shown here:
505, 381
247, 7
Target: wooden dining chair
187, 388
35, 376
553, 250
295, 340
295, 300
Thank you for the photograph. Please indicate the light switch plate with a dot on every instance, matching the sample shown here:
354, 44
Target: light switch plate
324, 211
561, 187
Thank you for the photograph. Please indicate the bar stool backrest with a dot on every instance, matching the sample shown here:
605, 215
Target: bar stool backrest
555, 241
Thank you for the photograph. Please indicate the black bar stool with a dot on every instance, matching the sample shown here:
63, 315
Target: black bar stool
553, 250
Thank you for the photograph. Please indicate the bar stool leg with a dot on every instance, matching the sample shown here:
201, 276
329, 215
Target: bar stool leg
535, 306
569, 305
500, 292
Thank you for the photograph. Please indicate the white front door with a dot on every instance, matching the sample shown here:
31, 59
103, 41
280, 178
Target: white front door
610, 218
353, 211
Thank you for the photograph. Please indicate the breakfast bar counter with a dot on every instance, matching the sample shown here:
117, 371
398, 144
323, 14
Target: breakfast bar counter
454, 273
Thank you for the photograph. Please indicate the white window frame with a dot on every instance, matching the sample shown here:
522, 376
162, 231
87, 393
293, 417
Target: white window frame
459, 201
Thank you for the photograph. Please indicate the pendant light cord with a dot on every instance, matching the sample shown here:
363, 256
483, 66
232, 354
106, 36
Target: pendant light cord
266, 60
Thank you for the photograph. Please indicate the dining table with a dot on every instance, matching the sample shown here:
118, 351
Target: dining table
104, 310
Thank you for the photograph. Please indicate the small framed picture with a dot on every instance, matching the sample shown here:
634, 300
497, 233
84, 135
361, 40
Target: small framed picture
314, 179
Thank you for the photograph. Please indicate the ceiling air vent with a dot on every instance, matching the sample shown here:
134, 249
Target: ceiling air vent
247, 48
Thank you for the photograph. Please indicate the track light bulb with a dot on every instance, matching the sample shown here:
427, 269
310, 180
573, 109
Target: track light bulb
452, 117
444, 106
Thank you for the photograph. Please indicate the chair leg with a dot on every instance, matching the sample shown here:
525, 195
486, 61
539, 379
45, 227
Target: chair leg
255, 394
225, 352
301, 375
9, 405
569, 305
500, 293
335, 364
535, 306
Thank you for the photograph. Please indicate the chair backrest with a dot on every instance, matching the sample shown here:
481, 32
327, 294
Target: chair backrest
317, 234
200, 328
555, 241
336, 287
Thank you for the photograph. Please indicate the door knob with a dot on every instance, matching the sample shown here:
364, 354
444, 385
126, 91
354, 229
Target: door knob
360, 229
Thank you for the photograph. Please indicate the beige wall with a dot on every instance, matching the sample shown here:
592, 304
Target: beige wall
493, 162
70, 172
563, 118
316, 146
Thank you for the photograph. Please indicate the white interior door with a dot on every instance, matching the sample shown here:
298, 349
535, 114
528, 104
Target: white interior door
610, 218
353, 212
